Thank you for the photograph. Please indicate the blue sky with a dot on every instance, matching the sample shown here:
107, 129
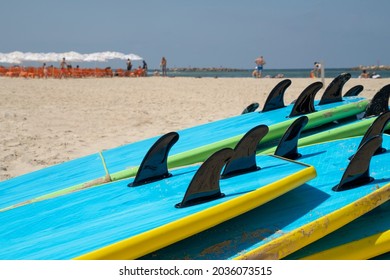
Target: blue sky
205, 33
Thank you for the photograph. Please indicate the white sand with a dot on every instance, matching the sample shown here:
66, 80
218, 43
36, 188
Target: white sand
45, 122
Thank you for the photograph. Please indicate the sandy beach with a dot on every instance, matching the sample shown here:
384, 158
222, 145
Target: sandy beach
48, 121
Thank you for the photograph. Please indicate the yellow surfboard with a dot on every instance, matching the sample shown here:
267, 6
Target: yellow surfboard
364, 238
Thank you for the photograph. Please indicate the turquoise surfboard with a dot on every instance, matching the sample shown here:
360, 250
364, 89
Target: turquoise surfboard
129, 218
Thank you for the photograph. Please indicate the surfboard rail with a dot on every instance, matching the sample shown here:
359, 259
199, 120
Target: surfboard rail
301, 237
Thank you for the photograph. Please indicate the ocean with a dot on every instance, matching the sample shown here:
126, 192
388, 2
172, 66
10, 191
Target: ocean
287, 73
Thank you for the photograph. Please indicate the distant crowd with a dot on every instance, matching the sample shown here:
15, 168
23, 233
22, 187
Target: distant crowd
66, 70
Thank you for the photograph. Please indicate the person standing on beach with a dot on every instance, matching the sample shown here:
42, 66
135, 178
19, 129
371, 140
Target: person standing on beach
317, 70
129, 65
145, 67
44, 68
163, 65
63, 66
259, 66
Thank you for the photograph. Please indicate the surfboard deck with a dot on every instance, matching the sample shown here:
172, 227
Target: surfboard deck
365, 238
299, 217
116, 221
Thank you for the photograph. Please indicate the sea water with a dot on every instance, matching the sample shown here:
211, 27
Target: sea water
271, 73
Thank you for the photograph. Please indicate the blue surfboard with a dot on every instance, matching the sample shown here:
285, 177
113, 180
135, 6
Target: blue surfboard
132, 217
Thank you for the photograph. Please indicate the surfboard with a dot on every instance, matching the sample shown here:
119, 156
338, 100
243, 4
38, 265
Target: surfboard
303, 215
131, 217
195, 145
348, 127
365, 238
359, 123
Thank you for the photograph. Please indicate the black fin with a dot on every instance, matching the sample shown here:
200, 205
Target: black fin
305, 101
244, 157
154, 166
333, 92
288, 145
379, 103
354, 91
251, 108
275, 97
377, 128
204, 185
358, 169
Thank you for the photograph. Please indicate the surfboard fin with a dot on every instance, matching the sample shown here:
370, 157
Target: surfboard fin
250, 108
288, 144
358, 169
154, 166
333, 92
204, 185
305, 101
354, 91
379, 103
377, 128
275, 97
244, 157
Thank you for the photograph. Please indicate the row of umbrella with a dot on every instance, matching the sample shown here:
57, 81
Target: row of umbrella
17, 57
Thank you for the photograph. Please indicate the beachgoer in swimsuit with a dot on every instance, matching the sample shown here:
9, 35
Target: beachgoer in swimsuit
129, 65
259, 66
63, 66
163, 66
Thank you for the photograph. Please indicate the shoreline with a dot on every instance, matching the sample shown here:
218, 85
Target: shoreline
48, 121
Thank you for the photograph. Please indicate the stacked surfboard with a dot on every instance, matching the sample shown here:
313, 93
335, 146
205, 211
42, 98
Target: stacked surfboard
265, 184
